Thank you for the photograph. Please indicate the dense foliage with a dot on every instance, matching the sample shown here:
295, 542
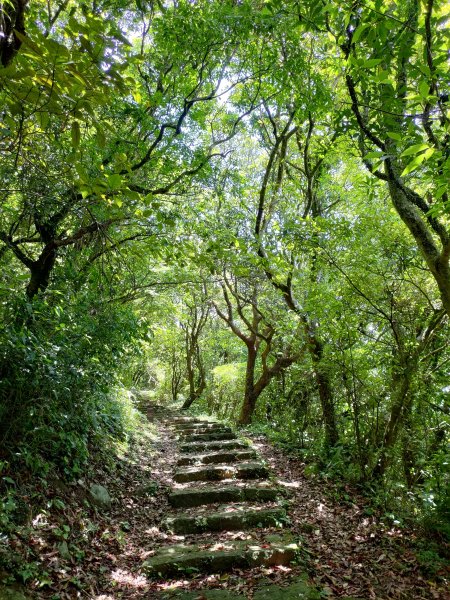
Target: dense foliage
242, 204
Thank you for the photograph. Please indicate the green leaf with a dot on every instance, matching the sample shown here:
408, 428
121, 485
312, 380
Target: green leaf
374, 154
382, 77
413, 164
132, 195
414, 149
371, 62
76, 134
394, 136
28, 42
114, 181
100, 136
424, 89
359, 31
429, 153
440, 191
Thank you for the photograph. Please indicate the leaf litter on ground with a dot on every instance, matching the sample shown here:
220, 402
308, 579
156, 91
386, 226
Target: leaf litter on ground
344, 551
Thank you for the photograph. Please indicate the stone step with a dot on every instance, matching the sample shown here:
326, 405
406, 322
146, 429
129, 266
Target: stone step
210, 437
181, 561
217, 457
249, 470
191, 447
202, 430
178, 419
200, 496
231, 519
209, 425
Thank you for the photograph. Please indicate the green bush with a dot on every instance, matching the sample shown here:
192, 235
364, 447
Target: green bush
60, 359
226, 390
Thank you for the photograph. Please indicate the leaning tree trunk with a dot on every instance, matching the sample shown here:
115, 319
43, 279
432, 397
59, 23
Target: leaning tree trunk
190, 376
194, 394
254, 389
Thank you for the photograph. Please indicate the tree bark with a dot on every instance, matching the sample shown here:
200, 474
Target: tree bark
315, 348
12, 20
40, 272
194, 364
250, 399
437, 261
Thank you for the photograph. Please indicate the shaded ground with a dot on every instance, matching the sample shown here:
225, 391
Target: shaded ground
351, 551
345, 551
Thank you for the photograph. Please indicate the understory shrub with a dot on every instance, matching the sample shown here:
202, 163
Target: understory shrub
60, 360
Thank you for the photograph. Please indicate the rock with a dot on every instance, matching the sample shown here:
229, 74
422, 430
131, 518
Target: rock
209, 437
149, 489
217, 457
99, 496
203, 594
180, 427
186, 431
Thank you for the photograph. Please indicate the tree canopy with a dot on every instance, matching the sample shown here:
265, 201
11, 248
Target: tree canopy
241, 203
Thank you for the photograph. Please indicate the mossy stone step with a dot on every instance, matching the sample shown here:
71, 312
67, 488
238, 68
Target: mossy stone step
178, 419
190, 447
191, 497
203, 430
217, 457
210, 437
227, 520
250, 470
299, 590
209, 594
176, 561
201, 424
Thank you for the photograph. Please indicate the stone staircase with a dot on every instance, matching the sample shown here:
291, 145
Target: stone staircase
226, 507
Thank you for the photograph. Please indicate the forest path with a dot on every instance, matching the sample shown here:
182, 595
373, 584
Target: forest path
242, 528
220, 519
225, 505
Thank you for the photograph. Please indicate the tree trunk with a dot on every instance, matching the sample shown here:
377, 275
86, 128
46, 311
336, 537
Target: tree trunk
400, 406
12, 20
315, 347
253, 390
248, 408
437, 262
175, 380
194, 395
40, 272
190, 376
196, 389
249, 403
